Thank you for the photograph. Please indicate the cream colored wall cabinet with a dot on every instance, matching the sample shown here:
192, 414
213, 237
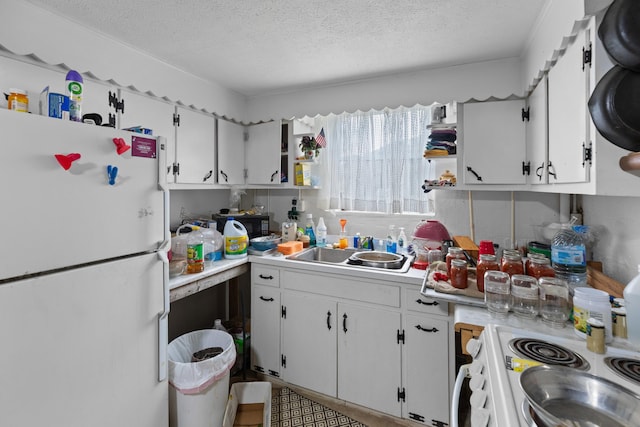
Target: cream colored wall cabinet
262, 153
569, 136
231, 153
195, 148
537, 137
492, 141
265, 315
142, 110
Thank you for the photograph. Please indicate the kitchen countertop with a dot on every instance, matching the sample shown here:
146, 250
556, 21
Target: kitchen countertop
468, 315
221, 271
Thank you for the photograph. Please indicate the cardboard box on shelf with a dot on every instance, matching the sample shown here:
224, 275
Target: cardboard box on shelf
249, 405
54, 105
302, 174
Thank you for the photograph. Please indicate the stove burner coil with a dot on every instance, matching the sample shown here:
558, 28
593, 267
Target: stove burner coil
547, 353
628, 369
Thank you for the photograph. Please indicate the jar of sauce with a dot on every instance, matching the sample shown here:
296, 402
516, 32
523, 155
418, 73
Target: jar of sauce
18, 100
540, 267
453, 253
527, 263
487, 262
458, 273
512, 263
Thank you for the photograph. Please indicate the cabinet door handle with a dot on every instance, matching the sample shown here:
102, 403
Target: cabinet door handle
207, 176
478, 177
420, 328
552, 171
273, 175
224, 175
434, 303
539, 171
328, 320
344, 323
266, 299
266, 277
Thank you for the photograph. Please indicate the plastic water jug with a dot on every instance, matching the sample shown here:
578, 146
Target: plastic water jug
236, 239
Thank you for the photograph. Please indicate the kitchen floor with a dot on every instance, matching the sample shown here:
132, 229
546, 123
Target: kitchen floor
364, 415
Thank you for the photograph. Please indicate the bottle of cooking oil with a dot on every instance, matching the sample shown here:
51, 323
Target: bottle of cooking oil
195, 251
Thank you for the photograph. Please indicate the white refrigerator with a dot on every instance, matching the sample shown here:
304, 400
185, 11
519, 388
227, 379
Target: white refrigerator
84, 296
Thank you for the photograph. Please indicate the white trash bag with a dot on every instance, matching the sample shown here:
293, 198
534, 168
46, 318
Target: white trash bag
193, 377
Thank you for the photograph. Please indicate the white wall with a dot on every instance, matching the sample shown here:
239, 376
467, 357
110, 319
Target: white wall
29, 30
500, 79
615, 223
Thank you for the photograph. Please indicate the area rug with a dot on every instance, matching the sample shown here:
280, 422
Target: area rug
289, 409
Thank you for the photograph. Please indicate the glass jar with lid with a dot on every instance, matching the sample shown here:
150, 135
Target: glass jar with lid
486, 263
453, 253
512, 263
458, 273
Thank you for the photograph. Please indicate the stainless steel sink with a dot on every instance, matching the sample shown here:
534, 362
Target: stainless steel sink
326, 255
341, 257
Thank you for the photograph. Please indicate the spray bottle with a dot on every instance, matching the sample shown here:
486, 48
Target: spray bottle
74, 85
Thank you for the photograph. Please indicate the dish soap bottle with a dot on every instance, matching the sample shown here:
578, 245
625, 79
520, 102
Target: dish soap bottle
321, 238
631, 295
392, 243
402, 242
309, 230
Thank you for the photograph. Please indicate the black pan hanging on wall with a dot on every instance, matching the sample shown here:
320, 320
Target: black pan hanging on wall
614, 104
615, 107
619, 32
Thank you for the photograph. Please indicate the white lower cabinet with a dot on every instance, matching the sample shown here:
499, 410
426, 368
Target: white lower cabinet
309, 346
265, 333
428, 359
354, 339
427, 380
369, 357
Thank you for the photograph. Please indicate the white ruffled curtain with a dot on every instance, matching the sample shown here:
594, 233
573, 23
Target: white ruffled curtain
373, 160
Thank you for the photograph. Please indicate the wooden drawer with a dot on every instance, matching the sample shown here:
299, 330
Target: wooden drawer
262, 275
416, 302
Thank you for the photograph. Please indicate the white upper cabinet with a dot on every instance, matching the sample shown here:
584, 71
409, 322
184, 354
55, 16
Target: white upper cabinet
149, 113
569, 88
492, 141
537, 139
231, 153
262, 155
195, 148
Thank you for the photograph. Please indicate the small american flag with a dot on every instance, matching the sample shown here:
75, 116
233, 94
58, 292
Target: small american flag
320, 139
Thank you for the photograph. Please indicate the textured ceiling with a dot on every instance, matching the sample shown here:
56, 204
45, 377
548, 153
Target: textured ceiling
268, 46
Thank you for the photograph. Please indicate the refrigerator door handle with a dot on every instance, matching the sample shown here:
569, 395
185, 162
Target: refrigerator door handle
163, 317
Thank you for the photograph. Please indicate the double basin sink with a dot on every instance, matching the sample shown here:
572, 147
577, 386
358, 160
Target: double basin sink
352, 258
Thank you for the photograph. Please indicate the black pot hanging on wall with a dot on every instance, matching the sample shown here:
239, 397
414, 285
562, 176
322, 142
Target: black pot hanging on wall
615, 107
619, 32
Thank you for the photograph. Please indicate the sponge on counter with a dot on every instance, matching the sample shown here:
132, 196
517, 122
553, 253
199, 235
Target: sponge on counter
288, 248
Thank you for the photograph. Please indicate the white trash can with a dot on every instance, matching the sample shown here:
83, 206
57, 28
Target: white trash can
199, 390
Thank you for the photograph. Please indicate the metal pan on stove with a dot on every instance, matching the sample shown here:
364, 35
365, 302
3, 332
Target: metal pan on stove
376, 259
568, 397
614, 106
